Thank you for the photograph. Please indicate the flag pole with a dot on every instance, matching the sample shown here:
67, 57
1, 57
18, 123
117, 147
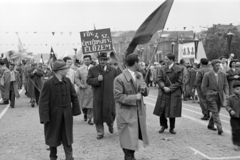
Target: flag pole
154, 53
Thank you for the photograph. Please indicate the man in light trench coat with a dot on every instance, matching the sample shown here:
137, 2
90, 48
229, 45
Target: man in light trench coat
129, 89
85, 90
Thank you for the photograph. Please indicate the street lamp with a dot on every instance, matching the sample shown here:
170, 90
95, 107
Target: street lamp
229, 40
75, 49
196, 40
173, 44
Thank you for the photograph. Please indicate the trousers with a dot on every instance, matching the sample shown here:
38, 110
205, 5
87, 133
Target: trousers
235, 124
67, 148
214, 107
100, 128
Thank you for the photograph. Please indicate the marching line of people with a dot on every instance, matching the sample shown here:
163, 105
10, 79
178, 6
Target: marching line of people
103, 93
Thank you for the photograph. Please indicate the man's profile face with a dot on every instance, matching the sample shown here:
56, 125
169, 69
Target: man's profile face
69, 62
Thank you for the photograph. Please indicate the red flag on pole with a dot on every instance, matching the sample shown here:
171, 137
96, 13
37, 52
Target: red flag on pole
155, 22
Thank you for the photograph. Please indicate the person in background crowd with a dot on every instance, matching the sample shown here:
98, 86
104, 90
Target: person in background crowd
214, 86
3, 79
169, 102
75, 65
46, 73
233, 107
101, 79
232, 76
154, 74
237, 66
129, 89
85, 90
19, 68
57, 106
230, 59
185, 76
12, 84
192, 78
26, 67
223, 65
187, 86
35, 75
71, 72
197, 85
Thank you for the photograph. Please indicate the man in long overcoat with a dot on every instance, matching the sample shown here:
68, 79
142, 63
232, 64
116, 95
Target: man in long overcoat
214, 86
131, 111
169, 102
101, 79
57, 106
3, 79
85, 90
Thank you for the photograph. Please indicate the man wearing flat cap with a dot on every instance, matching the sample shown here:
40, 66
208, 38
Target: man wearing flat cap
57, 106
214, 86
101, 79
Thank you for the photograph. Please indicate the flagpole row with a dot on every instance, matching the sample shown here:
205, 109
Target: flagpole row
154, 53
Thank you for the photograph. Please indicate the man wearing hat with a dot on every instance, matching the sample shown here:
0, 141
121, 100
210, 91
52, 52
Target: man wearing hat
101, 79
197, 85
85, 90
214, 86
57, 106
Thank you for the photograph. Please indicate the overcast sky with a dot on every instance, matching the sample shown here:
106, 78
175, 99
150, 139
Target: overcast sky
80, 15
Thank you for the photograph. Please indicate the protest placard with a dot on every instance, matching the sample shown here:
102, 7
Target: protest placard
96, 41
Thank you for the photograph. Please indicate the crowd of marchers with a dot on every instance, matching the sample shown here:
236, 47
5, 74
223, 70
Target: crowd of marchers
107, 90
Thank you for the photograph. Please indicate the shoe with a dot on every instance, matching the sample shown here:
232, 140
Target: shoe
212, 128
85, 117
204, 118
111, 130
220, 132
236, 148
4, 103
90, 122
172, 131
99, 137
12, 106
162, 129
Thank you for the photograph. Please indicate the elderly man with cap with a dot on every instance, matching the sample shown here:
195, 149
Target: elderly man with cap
101, 79
214, 86
35, 75
57, 106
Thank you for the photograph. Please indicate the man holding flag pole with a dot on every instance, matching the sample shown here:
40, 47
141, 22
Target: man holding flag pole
155, 22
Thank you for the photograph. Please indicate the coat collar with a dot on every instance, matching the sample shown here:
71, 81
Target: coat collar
127, 75
56, 81
107, 70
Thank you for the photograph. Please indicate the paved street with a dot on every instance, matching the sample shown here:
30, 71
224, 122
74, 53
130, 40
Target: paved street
21, 137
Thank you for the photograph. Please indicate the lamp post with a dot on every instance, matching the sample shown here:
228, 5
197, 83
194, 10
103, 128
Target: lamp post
75, 49
229, 40
196, 40
173, 44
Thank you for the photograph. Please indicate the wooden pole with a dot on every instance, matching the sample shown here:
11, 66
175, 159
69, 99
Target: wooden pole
154, 53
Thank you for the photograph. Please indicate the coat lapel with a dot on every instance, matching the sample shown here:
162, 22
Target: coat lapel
213, 77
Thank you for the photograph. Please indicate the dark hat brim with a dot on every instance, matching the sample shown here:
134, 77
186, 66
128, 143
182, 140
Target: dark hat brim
61, 68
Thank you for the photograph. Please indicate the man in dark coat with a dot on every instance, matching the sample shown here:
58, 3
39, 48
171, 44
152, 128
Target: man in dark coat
169, 102
57, 106
101, 79
197, 85
214, 86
